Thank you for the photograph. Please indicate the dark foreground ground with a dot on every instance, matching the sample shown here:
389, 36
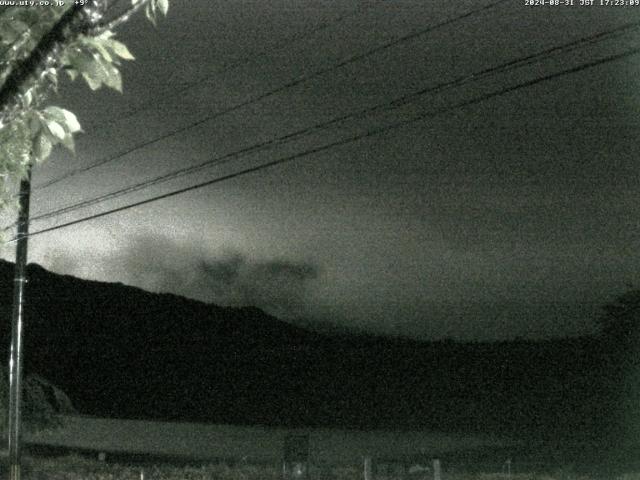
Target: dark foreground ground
78, 467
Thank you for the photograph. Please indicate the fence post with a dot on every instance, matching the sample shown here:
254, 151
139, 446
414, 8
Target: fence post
295, 462
368, 468
436, 470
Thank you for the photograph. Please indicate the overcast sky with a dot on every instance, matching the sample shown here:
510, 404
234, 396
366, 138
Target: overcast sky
514, 216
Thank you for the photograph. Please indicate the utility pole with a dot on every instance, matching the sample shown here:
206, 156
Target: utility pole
82, 18
39, 59
17, 316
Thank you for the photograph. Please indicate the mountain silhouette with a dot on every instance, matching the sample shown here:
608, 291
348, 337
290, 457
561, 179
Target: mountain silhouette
122, 352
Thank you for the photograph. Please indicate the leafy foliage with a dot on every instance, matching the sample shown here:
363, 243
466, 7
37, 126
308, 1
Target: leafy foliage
31, 135
152, 8
20, 31
96, 57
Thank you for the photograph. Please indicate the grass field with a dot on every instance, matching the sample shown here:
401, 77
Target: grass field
144, 450
80, 468
257, 445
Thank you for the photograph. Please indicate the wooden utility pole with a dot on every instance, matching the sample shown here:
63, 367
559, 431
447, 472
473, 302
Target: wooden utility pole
38, 60
81, 18
16, 355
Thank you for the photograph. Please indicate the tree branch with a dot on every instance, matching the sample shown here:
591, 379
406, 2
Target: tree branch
69, 25
36, 62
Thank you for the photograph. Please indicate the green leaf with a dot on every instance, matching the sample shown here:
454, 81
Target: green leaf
93, 83
7, 33
51, 74
72, 72
106, 34
71, 121
114, 80
68, 142
110, 76
150, 12
64, 117
86, 63
19, 26
42, 147
55, 113
98, 71
163, 6
120, 49
56, 130
101, 48
26, 98
11, 30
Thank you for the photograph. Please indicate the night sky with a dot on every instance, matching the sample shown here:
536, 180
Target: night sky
513, 216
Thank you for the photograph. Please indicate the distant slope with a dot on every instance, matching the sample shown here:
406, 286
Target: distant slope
119, 351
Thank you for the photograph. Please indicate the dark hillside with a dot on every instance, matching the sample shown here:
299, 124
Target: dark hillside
122, 352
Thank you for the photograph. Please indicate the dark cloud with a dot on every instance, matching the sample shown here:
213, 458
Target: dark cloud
278, 286
230, 278
467, 294
514, 216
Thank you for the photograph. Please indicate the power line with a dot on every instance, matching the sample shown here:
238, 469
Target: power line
344, 141
396, 103
239, 63
263, 96
187, 86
